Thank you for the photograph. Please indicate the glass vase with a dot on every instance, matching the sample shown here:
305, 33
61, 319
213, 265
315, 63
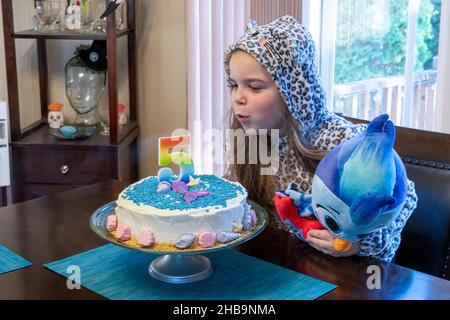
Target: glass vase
91, 10
46, 18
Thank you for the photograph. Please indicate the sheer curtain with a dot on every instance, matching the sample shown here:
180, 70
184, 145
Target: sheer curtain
211, 27
264, 11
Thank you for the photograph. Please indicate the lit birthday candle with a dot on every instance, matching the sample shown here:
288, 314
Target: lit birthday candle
182, 159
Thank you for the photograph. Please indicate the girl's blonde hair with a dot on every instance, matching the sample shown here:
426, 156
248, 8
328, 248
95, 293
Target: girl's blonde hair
261, 188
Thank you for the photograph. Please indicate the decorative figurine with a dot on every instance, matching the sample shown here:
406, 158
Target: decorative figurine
122, 115
73, 16
55, 115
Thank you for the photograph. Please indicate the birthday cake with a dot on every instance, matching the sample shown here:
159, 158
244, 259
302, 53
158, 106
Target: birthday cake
168, 212
175, 215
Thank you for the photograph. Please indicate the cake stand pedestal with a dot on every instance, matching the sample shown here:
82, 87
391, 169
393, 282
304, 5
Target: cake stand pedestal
183, 266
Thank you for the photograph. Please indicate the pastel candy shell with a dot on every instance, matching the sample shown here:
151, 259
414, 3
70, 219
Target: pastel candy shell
145, 238
253, 216
111, 222
184, 240
206, 239
164, 187
123, 233
246, 220
225, 237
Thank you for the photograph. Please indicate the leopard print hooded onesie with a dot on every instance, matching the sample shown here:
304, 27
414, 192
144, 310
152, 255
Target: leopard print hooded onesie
287, 52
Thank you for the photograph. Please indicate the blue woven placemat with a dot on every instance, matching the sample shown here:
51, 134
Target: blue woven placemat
9, 261
118, 273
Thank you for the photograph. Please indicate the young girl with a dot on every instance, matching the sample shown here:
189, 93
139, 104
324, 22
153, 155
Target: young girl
275, 84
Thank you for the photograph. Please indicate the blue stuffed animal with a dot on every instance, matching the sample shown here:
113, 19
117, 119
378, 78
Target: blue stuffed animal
358, 187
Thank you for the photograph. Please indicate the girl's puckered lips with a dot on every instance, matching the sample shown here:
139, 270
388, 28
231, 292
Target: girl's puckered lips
242, 118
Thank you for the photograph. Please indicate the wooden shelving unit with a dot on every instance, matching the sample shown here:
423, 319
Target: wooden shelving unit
43, 164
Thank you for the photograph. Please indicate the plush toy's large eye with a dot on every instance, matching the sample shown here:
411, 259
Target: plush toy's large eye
328, 220
332, 224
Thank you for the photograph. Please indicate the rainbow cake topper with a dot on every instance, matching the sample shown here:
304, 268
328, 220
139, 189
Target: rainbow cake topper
182, 159
185, 164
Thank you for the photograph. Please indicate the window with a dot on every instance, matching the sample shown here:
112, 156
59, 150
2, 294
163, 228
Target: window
382, 56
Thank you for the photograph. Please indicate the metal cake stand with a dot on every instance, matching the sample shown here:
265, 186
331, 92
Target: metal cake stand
181, 266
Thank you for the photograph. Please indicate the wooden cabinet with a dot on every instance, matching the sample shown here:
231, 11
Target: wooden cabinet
42, 164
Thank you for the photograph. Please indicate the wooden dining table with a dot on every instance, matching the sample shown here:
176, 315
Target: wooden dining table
54, 227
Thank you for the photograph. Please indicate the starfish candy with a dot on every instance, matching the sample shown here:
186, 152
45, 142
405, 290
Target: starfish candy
193, 182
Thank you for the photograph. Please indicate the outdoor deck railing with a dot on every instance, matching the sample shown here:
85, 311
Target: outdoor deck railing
369, 98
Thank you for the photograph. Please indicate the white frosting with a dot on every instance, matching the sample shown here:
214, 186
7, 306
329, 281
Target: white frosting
167, 225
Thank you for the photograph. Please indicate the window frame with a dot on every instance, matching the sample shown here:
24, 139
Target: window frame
323, 32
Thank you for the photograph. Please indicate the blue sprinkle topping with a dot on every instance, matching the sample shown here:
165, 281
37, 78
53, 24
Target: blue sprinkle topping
144, 193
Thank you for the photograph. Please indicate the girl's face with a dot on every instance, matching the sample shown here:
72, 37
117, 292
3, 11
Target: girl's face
256, 102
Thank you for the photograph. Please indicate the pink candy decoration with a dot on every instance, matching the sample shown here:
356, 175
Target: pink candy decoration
123, 233
111, 222
146, 238
206, 239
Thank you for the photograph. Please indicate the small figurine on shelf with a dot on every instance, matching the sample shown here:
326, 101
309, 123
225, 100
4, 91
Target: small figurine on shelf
55, 115
122, 115
73, 15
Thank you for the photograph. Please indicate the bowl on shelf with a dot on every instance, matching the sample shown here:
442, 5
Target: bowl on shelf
70, 132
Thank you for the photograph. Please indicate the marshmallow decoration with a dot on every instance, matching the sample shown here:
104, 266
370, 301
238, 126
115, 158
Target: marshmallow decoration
111, 222
206, 239
123, 233
145, 238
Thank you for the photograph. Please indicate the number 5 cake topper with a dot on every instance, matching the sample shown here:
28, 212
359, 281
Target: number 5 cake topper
182, 159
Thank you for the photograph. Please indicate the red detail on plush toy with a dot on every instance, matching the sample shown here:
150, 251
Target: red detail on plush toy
288, 211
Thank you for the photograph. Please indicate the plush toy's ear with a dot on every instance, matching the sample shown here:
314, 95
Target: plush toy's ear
371, 166
367, 208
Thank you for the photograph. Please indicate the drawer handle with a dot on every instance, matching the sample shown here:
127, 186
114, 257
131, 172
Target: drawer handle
64, 169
